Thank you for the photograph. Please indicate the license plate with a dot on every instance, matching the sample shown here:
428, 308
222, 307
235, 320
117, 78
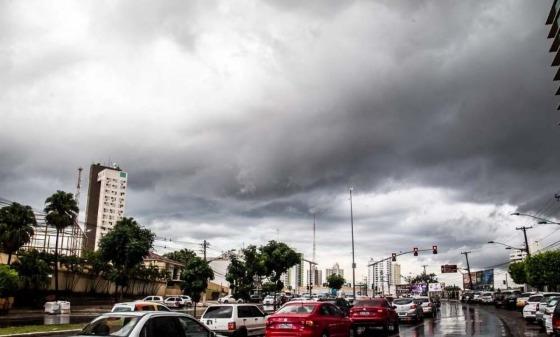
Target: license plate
284, 326
364, 313
402, 313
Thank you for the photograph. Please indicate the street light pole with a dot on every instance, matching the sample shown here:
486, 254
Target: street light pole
468, 268
353, 257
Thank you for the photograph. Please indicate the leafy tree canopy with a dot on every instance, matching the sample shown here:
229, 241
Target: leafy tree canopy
8, 281
183, 255
16, 227
34, 269
543, 269
518, 273
335, 281
195, 278
424, 278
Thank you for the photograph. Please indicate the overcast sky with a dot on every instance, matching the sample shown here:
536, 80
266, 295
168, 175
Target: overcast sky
239, 120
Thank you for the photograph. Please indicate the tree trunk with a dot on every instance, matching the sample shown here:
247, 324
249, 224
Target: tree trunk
194, 313
9, 258
56, 265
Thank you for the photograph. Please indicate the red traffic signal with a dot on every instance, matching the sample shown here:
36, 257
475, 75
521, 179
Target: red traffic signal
434, 249
394, 257
415, 250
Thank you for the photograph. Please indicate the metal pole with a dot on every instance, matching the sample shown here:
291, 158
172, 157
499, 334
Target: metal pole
468, 268
524, 229
353, 258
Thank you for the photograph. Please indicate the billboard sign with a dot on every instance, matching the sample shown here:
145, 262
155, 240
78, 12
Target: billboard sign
434, 287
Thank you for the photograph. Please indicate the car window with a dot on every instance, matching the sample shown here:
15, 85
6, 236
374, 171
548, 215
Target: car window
402, 301
110, 326
324, 311
122, 309
162, 326
334, 311
369, 303
192, 328
297, 309
244, 311
219, 312
536, 298
255, 312
162, 308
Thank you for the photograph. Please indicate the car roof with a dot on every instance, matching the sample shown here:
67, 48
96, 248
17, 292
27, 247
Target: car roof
145, 313
233, 305
137, 302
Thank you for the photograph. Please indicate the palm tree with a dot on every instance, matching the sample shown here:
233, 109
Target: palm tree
62, 211
16, 227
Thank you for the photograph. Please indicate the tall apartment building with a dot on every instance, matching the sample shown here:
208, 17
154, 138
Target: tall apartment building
105, 203
395, 274
380, 276
334, 270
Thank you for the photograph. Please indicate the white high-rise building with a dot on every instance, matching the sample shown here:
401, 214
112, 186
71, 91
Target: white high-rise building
396, 274
380, 276
106, 202
334, 270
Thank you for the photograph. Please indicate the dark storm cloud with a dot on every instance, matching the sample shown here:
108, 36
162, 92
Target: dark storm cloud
237, 113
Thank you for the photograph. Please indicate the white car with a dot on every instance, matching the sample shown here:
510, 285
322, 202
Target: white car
139, 306
174, 302
548, 312
187, 301
269, 300
229, 299
486, 297
235, 319
428, 307
146, 324
530, 309
156, 299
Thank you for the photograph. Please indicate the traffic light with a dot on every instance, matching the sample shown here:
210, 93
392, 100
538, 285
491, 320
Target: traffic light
415, 250
434, 249
442, 269
394, 257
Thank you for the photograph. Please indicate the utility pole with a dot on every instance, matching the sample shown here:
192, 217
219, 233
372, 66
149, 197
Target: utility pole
468, 268
353, 258
205, 244
524, 229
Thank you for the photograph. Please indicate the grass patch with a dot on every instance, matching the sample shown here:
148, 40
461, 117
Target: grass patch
38, 328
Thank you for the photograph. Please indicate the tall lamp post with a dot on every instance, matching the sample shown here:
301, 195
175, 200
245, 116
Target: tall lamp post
353, 258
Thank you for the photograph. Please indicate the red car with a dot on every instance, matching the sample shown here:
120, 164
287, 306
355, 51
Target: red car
308, 319
374, 313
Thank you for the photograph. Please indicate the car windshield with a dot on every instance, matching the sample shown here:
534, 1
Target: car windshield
402, 301
296, 309
536, 298
122, 309
421, 300
218, 312
369, 303
110, 326
525, 295
552, 301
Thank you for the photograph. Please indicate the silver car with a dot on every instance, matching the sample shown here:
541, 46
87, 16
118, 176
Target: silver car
539, 314
428, 307
146, 324
407, 310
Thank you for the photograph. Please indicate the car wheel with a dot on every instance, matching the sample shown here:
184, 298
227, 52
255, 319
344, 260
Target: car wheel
352, 332
325, 334
242, 332
396, 326
226, 301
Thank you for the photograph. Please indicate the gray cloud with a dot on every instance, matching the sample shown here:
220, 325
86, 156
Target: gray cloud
249, 116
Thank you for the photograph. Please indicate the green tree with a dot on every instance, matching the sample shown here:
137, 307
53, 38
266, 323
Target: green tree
278, 258
34, 269
74, 265
245, 274
183, 255
424, 278
124, 247
195, 279
543, 270
518, 273
335, 281
16, 227
62, 211
97, 268
8, 281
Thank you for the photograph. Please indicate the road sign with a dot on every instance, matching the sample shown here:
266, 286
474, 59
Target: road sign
449, 268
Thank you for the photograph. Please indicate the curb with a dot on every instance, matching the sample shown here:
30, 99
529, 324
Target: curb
44, 334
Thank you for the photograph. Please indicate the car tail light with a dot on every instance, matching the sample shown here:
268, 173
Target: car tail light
268, 322
380, 311
308, 324
413, 306
556, 321
231, 326
429, 304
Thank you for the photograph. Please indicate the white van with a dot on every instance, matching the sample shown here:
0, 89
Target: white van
238, 320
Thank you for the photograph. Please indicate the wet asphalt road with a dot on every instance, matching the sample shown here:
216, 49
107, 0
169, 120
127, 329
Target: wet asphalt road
458, 319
